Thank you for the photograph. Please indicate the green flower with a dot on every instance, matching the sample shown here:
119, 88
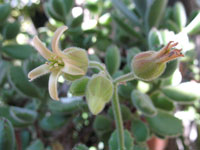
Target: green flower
72, 61
151, 64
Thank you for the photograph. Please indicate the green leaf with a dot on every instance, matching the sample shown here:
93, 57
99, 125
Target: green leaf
99, 91
74, 104
68, 4
171, 25
11, 30
170, 69
53, 122
143, 103
49, 11
179, 15
58, 7
126, 113
185, 92
7, 135
102, 124
4, 65
20, 81
112, 59
76, 22
125, 90
114, 141
36, 145
5, 112
126, 12
80, 147
141, 7
25, 138
18, 51
23, 115
131, 52
162, 102
165, 124
194, 26
124, 26
154, 39
140, 130
5, 10
78, 87
140, 147
156, 13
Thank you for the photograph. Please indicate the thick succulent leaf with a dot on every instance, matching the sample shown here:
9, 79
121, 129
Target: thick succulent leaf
102, 124
140, 130
11, 30
186, 92
80, 147
179, 15
162, 102
78, 87
53, 122
112, 59
20, 82
126, 12
165, 124
154, 39
72, 105
5, 10
114, 141
7, 135
99, 92
36, 145
143, 103
156, 12
18, 51
23, 115
126, 113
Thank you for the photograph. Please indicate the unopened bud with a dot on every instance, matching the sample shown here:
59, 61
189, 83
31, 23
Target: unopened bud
151, 64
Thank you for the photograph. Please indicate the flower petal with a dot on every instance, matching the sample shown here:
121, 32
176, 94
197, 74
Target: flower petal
76, 59
72, 69
53, 79
55, 40
39, 71
41, 48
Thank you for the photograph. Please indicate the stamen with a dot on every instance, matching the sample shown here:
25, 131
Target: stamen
55, 65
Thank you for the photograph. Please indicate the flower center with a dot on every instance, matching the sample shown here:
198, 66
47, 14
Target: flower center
55, 62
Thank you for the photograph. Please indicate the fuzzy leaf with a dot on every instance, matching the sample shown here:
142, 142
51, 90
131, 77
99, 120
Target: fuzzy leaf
114, 142
165, 124
185, 92
112, 59
7, 135
99, 91
18, 51
143, 103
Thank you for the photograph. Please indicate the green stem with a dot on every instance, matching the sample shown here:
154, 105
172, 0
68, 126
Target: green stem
127, 77
100, 66
118, 118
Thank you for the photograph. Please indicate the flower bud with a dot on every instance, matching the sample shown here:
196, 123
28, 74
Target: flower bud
77, 61
151, 64
99, 91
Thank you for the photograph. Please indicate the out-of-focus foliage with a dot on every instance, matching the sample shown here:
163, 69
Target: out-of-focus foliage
112, 32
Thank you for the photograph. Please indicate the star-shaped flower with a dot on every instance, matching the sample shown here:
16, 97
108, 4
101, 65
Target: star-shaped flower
72, 61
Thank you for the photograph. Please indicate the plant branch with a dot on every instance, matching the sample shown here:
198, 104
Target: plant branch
127, 77
118, 118
100, 66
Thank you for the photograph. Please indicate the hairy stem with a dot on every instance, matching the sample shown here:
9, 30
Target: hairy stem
118, 118
124, 78
100, 66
